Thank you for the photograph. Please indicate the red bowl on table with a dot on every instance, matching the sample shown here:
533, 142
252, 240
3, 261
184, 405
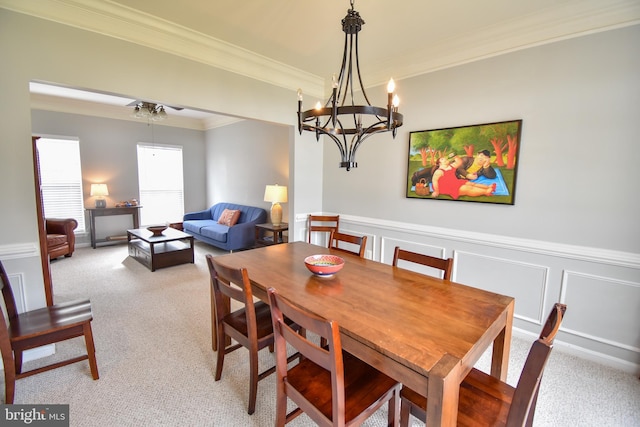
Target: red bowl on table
324, 265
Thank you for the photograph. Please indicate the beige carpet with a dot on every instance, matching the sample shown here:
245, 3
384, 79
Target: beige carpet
152, 333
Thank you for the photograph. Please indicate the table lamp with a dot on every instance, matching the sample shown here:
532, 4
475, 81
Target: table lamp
275, 194
99, 191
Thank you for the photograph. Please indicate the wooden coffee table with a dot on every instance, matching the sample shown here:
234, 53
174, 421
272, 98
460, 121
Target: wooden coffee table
172, 247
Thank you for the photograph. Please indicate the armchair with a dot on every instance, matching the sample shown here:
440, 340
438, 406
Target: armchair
60, 237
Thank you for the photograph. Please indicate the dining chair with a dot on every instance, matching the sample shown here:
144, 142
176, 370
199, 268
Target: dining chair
37, 328
324, 224
333, 387
250, 326
485, 400
338, 240
445, 265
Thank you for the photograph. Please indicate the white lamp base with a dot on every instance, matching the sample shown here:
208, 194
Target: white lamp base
276, 213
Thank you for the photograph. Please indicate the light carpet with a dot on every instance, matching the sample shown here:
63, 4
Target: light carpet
153, 342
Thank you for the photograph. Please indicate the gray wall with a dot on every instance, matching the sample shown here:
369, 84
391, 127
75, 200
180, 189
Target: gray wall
231, 163
108, 154
38, 50
243, 158
580, 103
573, 234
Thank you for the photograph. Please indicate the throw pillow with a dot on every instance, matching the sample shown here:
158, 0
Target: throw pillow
229, 217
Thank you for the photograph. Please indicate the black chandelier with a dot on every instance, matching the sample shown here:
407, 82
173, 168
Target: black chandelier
341, 119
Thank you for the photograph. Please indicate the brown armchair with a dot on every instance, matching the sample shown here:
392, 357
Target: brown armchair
60, 237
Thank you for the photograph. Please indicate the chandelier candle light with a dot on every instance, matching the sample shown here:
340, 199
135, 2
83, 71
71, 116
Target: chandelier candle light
341, 118
275, 194
99, 191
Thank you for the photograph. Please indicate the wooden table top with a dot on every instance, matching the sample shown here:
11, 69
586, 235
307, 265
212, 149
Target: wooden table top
400, 321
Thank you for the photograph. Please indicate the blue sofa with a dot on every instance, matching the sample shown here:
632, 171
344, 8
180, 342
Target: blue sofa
203, 225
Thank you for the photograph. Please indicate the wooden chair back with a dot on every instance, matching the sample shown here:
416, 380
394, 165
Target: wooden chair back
35, 328
317, 384
322, 224
231, 284
250, 326
445, 265
342, 242
523, 405
487, 401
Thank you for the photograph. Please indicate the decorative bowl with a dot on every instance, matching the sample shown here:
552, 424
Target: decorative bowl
324, 265
157, 229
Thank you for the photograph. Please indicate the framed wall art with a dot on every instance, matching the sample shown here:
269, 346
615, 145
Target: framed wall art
477, 163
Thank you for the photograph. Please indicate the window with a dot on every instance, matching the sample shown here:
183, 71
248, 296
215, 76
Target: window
61, 179
161, 184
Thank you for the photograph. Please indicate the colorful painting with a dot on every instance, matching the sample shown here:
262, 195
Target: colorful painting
475, 163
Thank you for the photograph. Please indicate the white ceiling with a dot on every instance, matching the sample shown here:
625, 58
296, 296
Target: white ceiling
301, 41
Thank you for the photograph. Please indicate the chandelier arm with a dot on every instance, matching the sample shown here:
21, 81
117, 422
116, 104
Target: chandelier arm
333, 136
364, 93
370, 131
343, 67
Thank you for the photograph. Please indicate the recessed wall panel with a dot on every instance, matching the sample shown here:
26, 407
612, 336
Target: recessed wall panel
523, 281
602, 309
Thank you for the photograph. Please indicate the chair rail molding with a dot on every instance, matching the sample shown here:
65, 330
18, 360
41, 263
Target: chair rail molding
574, 252
19, 250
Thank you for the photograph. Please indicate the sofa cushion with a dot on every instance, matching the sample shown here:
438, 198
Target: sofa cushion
229, 217
195, 225
217, 232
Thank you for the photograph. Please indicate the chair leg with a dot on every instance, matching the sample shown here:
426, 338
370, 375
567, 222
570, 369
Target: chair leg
253, 380
394, 409
91, 350
9, 378
405, 412
17, 356
221, 336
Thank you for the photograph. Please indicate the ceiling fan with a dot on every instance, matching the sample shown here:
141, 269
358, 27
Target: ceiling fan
150, 110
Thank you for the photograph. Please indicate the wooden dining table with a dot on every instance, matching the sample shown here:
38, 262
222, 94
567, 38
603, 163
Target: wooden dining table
425, 332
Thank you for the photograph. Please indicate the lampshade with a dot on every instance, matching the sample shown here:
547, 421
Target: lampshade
275, 193
99, 190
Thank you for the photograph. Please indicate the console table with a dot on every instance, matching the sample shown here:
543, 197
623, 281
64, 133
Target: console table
134, 211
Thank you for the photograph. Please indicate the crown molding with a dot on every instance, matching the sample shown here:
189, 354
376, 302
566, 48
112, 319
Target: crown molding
574, 19
124, 23
560, 22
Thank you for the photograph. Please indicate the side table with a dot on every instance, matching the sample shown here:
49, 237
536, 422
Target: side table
276, 234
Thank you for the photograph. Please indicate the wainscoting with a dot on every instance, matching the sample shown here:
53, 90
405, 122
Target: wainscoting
600, 287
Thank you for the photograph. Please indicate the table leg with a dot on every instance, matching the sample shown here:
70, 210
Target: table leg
444, 392
153, 258
93, 229
502, 348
